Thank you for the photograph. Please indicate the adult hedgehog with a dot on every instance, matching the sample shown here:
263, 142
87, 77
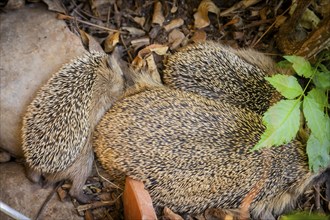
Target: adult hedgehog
193, 153
58, 124
222, 73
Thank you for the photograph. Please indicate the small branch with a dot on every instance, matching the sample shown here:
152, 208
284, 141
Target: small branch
67, 17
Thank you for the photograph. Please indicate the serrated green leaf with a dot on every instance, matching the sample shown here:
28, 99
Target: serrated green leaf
304, 216
313, 108
284, 64
282, 124
322, 80
318, 153
288, 86
300, 65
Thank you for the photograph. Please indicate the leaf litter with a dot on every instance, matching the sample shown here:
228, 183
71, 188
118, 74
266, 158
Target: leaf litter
150, 30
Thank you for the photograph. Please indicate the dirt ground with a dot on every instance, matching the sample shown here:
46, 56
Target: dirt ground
158, 28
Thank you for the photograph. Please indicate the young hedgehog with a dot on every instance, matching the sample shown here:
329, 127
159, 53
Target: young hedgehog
193, 153
223, 73
59, 122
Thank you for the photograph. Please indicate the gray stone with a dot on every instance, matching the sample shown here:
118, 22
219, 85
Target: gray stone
34, 45
25, 197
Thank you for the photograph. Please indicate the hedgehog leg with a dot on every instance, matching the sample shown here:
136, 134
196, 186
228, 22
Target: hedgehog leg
79, 173
33, 175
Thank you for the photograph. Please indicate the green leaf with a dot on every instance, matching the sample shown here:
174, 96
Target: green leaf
313, 108
318, 153
300, 65
322, 80
282, 124
284, 64
304, 216
288, 86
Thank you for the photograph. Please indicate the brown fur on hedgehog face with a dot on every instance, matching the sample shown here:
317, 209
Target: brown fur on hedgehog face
193, 153
223, 73
58, 123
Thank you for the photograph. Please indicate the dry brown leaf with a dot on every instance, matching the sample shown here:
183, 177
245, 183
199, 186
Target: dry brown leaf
237, 21
199, 36
175, 38
238, 35
89, 215
170, 215
62, 194
158, 17
54, 5
263, 13
152, 68
134, 31
139, 62
280, 20
157, 48
84, 38
174, 9
201, 16
238, 5
111, 41
140, 20
141, 42
174, 24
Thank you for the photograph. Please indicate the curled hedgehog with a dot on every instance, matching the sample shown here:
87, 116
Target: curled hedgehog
58, 124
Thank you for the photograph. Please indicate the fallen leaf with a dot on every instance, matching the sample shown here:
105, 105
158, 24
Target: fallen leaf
134, 31
238, 5
238, 35
62, 194
140, 20
84, 38
175, 38
213, 213
54, 5
152, 68
174, 24
157, 48
139, 61
174, 9
237, 21
158, 17
111, 41
308, 20
280, 20
141, 42
201, 16
170, 215
263, 13
199, 36
12, 4
89, 215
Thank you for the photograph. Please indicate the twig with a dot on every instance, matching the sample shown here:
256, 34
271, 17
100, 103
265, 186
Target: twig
95, 205
98, 173
128, 53
268, 29
49, 197
67, 17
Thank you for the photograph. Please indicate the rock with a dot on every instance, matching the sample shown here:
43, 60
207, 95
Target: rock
25, 197
34, 45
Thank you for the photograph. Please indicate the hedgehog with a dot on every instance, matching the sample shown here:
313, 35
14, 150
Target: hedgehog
58, 123
219, 72
194, 153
